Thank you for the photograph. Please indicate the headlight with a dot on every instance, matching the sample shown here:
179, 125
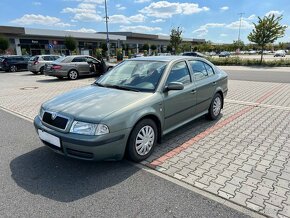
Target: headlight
40, 113
88, 128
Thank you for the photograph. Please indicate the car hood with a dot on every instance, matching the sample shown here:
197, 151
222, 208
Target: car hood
93, 103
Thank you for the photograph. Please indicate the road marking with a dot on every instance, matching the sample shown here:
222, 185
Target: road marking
159, 161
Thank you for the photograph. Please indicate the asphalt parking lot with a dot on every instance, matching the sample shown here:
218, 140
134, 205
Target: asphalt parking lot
243, 157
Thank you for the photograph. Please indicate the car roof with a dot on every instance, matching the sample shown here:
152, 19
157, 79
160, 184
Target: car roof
166, 58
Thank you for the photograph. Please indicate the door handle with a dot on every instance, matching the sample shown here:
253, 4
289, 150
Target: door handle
193, 91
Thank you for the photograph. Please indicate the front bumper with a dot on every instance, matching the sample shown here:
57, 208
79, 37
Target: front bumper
111, 146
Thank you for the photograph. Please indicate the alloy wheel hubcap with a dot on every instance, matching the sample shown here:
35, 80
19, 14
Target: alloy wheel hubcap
144, 140
13, 68
73, 74
217, 106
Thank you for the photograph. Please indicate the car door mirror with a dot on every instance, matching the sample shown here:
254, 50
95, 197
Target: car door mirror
174, 86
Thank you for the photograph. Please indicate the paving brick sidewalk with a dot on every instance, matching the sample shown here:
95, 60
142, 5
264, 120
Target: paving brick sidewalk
243, 157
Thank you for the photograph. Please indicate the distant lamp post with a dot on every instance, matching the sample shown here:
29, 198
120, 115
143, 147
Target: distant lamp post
107, 30
239, 35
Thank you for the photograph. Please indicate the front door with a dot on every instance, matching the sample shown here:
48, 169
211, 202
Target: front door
179, 104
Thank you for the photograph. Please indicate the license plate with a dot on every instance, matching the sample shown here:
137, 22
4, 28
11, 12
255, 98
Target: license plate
49, 138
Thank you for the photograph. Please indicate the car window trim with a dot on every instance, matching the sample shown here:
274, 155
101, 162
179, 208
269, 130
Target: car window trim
189, 72
207, 76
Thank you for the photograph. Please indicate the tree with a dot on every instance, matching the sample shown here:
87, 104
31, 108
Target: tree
175, 39
153, 49
267, 30
70, 43
169, 48
239, 44
4, 44
145, 47
185, 46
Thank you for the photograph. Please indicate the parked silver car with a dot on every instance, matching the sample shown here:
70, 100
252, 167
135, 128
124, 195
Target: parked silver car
75, 66
36, 63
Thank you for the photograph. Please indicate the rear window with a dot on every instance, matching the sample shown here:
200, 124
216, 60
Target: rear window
34, 58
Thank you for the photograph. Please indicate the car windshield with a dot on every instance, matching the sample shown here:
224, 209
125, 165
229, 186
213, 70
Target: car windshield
134, 75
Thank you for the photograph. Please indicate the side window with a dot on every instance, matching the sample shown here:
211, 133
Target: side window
79, 59
46, 58
199, 71
209, 69
179, 73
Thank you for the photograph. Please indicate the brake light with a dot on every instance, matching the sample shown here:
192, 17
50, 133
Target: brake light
56, 67
36, 62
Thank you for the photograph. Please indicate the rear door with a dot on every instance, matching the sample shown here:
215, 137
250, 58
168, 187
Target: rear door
179, 105
205, 81
81, 65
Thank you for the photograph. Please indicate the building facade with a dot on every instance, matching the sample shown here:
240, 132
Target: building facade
30, 41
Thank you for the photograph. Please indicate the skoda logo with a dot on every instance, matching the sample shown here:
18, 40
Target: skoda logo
53, 116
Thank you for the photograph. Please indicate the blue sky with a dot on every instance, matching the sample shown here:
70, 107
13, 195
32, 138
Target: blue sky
214, 20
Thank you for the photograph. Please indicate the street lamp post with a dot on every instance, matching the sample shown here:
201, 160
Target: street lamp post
239, 35
107, 30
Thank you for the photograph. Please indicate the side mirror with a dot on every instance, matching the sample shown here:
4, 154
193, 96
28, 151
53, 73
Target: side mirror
174, 86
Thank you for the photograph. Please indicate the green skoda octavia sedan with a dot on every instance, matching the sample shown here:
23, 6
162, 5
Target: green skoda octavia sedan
130, 108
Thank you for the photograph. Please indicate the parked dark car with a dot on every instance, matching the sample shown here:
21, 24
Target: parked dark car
224, 54
14, 63
194, 54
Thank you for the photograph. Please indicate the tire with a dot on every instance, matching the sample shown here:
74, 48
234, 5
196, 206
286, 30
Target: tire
215, 107
41, 70
147, 128
73, 75
12, 68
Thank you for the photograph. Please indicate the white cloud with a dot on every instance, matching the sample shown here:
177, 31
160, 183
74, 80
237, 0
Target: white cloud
223, 35
252, 17
120, 7
87, 17
244, 25
200, 32
85, 11
84, 30
119, 18
224, 8
203, 30
276, 13
140, 28
31, 19
37, 3
165, 9
158, 21
142, 1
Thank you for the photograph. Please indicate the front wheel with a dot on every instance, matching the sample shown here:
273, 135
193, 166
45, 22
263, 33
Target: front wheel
73, 75
142, 140
215, 107
13, 68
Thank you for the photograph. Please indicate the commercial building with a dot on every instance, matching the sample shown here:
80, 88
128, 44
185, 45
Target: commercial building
30, 41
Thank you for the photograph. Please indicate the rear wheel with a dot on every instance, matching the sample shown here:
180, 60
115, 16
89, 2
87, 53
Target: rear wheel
142, 140
41, 70
13, 68
215, 107
73, 74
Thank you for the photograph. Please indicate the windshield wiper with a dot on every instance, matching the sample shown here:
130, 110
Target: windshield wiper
122, 88
99, 84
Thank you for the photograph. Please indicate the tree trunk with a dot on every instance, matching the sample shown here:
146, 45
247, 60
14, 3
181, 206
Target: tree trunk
262, 55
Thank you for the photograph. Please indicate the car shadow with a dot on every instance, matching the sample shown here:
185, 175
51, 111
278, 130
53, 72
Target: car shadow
52, 79
43, 172
184, 134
